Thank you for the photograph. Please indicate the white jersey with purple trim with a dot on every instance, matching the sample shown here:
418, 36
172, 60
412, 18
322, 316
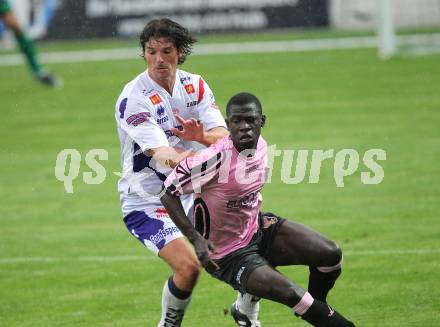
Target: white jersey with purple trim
227, 188
145, 114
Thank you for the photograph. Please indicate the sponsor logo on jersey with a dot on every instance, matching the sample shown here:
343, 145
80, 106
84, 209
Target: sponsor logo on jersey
183, 79
332, 312
246, 201
251, 169
162, 116
145, 92
162, 120
162, 234
190, 88
169, 134
160, 111
161, 213
155, 99
191, 104
138, 118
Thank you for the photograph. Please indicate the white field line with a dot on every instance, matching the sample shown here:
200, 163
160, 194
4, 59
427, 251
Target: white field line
120, 258
226, 48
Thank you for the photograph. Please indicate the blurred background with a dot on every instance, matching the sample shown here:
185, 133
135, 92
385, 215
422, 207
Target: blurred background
331, 74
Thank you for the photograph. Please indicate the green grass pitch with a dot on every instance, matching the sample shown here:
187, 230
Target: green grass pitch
67, 260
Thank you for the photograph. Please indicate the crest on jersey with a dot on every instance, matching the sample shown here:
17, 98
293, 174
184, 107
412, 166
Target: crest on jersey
162, 117
155, 99
160, 111
269, 220
190, 88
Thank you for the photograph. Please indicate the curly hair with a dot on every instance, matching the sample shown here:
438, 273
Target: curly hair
176, 33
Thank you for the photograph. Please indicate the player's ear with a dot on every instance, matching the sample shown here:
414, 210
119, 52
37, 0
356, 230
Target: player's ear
263, 120
179, 55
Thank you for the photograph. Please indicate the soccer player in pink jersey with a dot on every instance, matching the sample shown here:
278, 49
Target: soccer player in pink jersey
237, 243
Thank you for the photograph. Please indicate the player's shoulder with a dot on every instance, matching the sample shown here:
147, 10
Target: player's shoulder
262, 144
223, 144
187, 78
140, 92
135, 87
262, 141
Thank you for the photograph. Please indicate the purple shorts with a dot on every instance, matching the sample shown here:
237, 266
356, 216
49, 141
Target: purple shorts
154, 230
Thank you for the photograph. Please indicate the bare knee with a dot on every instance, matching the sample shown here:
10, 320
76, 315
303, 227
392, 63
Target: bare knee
188, 270
182, 259
333, 254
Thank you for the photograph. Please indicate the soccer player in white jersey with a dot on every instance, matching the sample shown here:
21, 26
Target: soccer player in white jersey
160, 114
237, 243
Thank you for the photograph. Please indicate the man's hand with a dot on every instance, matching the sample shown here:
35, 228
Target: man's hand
192, 130
203, 249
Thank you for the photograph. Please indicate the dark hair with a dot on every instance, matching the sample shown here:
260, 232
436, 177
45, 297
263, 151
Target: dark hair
176, 33
241, 99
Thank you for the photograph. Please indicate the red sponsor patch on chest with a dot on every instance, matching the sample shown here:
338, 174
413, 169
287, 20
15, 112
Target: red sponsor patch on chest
190, 88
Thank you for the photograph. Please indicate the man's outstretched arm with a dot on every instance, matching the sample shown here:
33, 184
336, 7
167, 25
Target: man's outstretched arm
193, 130
168, 156
202, 246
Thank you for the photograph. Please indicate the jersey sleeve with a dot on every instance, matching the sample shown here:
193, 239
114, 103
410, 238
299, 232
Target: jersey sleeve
192, 173
208, 112
134, 117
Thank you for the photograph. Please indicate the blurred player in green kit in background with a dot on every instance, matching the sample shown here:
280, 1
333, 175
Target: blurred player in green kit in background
27, 46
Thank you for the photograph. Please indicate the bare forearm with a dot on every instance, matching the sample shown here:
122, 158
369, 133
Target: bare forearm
177, 214
169, 157
213, 135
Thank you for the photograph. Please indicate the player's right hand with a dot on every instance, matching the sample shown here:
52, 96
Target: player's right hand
203, 249
192, 130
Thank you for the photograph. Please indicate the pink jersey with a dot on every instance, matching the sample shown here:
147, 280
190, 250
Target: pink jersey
227, 188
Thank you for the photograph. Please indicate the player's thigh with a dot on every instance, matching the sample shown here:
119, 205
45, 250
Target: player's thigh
297, 244
153, 231
157, 232
181, 257
11, 21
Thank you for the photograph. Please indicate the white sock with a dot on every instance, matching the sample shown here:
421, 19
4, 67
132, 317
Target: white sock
248, 305
172, 308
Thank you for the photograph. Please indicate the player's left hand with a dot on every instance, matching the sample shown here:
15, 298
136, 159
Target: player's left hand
203, 249
192, 130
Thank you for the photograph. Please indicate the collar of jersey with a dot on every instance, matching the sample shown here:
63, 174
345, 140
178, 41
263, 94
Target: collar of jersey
159, 88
